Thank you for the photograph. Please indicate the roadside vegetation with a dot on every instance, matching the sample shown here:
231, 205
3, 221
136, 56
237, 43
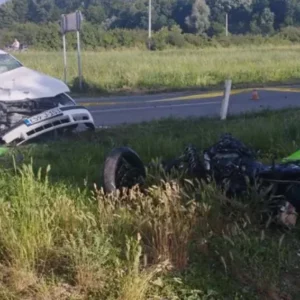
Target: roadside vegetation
61, 238
127, 71
115, 23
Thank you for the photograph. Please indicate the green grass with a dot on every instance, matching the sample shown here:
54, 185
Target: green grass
136, 70
60, 238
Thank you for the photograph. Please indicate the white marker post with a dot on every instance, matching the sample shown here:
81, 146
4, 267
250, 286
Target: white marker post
225, 102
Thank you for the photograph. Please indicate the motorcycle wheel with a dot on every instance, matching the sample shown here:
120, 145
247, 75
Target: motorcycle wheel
123, 168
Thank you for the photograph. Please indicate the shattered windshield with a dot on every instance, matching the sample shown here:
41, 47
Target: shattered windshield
8, 63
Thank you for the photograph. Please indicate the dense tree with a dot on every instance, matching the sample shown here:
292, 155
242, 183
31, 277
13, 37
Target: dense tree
40, 11
198, 21
263, 22
197, 16
7, 15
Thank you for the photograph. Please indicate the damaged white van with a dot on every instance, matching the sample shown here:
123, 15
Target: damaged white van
32, 104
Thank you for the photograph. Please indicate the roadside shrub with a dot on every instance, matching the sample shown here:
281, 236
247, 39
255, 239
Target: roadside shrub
159, 40
175, 37
216, 29
290, 33
197, 40
48, 37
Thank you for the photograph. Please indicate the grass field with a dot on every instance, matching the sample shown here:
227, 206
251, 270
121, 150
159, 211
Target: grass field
60, 238
136, 71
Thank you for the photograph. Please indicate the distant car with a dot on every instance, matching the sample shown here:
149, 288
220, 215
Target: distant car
32, 103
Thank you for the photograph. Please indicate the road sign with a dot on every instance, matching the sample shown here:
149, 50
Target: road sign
72, 23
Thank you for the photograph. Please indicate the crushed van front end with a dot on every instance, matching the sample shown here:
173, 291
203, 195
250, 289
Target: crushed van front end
21, 121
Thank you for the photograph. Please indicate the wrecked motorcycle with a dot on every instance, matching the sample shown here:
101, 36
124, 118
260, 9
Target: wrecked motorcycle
229, 163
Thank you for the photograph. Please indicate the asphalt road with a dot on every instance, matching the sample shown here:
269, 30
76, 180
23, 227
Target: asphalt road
110, 111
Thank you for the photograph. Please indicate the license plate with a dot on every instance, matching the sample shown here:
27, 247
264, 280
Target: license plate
43, 116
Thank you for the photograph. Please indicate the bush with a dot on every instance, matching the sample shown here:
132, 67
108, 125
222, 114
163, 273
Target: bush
48, 37
175, 37
197, 40
159, 40
290, 33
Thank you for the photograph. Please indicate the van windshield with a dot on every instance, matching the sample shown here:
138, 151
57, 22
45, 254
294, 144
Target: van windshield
8, 63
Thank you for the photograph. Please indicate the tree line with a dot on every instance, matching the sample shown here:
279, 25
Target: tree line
202, 18
193, 16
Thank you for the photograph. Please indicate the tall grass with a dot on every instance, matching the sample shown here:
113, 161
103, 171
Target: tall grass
136, 70
62, 238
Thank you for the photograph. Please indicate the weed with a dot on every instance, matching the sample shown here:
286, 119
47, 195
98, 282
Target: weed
61, 237
137, 70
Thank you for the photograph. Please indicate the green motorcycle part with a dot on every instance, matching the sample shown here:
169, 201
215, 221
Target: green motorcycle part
293, 157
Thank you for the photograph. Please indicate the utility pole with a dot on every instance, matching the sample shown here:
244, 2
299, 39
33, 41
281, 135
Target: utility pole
149, 24
226, 25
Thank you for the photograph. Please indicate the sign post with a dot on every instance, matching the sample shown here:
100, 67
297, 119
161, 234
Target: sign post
65, 58
71, 23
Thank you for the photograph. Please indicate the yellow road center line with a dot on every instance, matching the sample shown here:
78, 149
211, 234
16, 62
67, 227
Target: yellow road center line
291, 90
193, 97
199, 96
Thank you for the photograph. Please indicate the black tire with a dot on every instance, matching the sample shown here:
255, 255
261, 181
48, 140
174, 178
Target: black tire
90, 126
123, 168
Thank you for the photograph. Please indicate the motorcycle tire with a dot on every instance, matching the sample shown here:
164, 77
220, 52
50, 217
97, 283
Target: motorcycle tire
123, 168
